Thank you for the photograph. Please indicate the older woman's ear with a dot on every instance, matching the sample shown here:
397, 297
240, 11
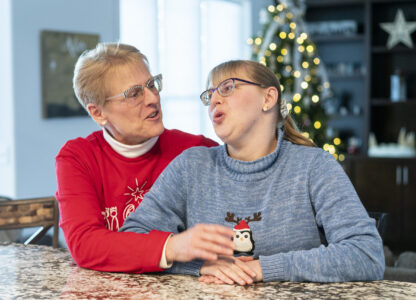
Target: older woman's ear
97, 114
270, 97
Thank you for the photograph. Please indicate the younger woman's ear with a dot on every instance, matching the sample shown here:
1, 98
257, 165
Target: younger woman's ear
271, 95
97, 114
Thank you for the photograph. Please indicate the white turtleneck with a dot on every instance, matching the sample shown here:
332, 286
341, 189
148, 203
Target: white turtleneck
129, 151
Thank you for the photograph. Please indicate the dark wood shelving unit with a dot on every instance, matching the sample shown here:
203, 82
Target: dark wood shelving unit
395, 178
384, 184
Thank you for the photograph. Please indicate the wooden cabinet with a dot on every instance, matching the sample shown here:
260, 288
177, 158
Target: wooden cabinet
388, 185
409, 202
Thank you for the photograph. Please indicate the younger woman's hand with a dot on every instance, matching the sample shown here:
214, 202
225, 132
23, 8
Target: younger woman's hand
203, 241
256, 267
228, 270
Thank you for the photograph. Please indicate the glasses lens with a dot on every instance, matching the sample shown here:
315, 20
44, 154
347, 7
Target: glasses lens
226, 87
135, 94
155, 84
206, 97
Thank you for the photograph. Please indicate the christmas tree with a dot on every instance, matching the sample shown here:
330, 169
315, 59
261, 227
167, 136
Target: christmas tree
286, 49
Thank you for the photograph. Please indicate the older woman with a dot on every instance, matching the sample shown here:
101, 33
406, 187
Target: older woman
291, 206
102, 178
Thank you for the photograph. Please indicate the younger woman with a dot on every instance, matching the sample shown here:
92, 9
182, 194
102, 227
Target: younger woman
290, 204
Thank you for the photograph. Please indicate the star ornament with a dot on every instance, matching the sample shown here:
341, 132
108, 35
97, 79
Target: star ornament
399, 30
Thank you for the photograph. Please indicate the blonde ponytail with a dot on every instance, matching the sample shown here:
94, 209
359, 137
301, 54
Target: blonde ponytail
292, 134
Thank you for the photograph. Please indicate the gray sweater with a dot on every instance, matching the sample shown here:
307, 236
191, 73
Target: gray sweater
295, 210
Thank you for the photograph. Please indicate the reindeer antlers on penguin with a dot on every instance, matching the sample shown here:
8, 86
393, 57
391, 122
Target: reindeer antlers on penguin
230, 218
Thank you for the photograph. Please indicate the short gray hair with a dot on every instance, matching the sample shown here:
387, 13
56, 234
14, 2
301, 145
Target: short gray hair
93, 66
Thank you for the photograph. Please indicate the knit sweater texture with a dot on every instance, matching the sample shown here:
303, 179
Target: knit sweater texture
303, 218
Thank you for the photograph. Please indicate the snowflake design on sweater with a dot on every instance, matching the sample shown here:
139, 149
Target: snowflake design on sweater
137, 193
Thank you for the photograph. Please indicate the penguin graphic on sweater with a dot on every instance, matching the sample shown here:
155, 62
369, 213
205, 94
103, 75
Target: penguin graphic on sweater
243, 237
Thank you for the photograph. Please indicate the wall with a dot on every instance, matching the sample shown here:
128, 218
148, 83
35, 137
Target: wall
7, 163
37, 140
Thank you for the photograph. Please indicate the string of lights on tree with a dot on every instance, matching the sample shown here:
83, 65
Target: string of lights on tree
285, 48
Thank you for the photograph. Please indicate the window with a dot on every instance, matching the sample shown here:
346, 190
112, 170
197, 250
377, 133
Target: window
183, 40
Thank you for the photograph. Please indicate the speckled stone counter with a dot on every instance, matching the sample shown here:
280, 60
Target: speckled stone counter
39, 272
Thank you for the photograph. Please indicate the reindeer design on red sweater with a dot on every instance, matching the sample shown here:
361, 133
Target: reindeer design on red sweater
243, 237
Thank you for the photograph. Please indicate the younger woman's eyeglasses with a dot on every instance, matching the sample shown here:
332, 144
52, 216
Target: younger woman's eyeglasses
134, 95
224, 88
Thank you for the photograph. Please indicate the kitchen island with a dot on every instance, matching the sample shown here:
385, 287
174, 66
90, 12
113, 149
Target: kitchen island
41, 272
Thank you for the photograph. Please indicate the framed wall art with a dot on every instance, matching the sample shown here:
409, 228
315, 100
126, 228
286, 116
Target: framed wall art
60, 51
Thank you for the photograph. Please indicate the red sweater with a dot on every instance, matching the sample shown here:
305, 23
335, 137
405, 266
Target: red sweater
98, 188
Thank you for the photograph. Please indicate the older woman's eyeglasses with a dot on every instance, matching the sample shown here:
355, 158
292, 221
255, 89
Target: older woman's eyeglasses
135, 94
224, 88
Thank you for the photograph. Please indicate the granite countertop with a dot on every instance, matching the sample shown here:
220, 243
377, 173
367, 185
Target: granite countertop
40, 272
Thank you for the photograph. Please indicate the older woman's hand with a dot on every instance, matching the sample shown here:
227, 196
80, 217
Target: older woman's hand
230, 270
203, 241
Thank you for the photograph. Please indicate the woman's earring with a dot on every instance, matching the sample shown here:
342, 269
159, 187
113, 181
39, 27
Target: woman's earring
103, 123
283, 109
265, 108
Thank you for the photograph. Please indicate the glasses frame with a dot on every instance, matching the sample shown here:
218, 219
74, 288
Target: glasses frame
146, 85
210, 92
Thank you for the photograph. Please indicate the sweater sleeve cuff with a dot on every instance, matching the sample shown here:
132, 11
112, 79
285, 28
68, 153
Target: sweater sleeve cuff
188, 268
156, 239
274, 268
193, 267
163, 264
